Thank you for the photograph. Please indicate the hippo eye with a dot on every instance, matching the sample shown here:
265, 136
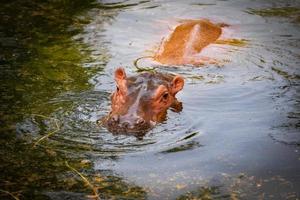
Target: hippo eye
165, 96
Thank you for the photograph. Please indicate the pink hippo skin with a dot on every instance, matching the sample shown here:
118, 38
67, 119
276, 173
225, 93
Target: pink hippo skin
141, 100
184, 44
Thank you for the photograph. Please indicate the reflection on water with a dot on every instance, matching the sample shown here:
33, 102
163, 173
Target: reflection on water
236, 138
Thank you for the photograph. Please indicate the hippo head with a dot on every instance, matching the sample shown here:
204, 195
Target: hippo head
142, 100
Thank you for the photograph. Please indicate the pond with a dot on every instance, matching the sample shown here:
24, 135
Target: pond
237, 136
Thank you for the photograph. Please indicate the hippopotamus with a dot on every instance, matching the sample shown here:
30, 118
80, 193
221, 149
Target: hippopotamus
187, 40
140, 101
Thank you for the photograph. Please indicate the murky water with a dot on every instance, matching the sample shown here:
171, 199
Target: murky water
237, 136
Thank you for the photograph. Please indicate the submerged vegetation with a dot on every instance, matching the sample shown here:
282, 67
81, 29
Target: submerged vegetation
48, 134
38, 60
38, 57
287, 12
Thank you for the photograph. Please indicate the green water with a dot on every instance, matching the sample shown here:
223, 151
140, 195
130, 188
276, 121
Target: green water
40, 60
236, 138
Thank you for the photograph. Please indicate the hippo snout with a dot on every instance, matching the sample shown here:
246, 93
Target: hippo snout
127, 123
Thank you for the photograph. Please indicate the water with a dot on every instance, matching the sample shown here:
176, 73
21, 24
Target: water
237, 136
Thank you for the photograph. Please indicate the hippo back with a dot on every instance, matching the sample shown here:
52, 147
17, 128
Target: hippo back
187, 39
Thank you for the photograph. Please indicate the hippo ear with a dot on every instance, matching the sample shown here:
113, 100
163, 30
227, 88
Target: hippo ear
120, 74
120, 77
177, 84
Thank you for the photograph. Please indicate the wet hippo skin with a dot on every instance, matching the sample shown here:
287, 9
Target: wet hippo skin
184, 44
142, 100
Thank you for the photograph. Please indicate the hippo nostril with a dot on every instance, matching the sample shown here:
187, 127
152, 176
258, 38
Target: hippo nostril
115, 118
126, 124
140, 121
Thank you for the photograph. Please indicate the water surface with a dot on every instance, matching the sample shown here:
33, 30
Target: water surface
237, 136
